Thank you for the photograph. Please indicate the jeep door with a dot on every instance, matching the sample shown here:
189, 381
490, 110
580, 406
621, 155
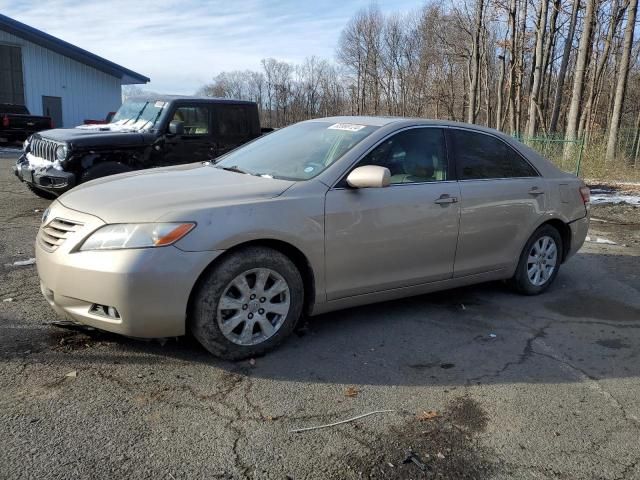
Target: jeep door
401, 235
196, 142
232, 126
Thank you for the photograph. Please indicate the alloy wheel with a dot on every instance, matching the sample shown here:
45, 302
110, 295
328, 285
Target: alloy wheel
253, 306
542, 261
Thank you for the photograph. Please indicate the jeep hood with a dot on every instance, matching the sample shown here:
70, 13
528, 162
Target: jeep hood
147, 195
95, 137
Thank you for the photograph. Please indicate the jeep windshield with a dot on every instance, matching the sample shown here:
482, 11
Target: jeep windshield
138, 115
298, 152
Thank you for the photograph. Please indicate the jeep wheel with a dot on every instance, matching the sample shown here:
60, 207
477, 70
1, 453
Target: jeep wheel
103, 170
41, 193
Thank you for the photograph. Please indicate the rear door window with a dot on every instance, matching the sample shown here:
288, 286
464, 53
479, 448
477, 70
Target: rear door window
481, 156
232, 120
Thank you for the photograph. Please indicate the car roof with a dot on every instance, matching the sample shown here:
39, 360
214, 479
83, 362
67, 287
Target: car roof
381, 121
189, 98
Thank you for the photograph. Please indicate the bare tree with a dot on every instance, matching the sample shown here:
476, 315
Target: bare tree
559, 91
475, 61
621, 84
502, 63
580, 69
534, 108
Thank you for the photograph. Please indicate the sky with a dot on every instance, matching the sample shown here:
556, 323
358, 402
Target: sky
181, 45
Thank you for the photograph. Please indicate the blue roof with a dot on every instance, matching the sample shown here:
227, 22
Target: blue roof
68, 50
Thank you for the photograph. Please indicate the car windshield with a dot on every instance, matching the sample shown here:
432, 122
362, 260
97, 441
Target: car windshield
138, 115
298, 152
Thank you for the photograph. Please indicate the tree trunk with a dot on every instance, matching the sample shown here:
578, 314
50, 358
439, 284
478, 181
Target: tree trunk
500, 91
520, 69
580, 68
549, 52
636, 144
621, 85
537, 73
512, 67
557, 98
595, 83
475, 63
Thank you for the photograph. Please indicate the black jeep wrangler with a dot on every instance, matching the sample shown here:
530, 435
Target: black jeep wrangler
144, 133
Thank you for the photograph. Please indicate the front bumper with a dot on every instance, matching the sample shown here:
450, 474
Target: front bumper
47, 178
149, 287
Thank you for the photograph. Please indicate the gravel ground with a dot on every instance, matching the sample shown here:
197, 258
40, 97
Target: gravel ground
482, 383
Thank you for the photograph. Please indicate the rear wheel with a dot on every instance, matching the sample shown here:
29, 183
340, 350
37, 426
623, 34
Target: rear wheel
248, 304
103, 170
539, 262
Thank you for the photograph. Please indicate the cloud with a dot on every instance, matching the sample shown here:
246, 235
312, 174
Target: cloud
181, 45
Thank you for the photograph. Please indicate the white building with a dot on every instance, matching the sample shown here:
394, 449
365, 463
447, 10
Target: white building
54, 78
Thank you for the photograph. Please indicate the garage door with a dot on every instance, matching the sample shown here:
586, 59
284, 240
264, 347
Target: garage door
11, 86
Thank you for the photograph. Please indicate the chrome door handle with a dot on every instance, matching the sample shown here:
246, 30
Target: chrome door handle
445, 198
536, 191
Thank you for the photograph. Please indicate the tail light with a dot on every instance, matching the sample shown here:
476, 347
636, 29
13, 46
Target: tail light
5, 121
585, 193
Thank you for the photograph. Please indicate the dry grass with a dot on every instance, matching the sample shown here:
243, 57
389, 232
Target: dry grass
593, 164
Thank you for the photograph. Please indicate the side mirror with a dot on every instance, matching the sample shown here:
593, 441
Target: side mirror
176, 128
369, 176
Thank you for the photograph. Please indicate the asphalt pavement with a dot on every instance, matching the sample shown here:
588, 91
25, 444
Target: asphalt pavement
470, 383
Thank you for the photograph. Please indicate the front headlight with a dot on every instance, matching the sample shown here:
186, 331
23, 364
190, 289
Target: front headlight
132, 235
61, 152
25, 144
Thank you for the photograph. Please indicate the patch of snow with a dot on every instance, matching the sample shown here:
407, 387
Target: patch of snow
22, 263
36, 163
600, 240
598, 198
117, 127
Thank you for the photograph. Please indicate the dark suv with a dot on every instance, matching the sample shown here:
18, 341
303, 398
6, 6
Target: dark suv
144, 133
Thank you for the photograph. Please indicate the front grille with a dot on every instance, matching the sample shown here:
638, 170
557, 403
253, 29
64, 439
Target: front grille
45, 149
56, 232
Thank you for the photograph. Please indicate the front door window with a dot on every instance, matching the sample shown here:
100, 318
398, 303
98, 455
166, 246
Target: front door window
416, 155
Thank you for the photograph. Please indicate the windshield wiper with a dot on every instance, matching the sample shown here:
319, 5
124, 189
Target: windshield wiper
139, 114
149, 121
234, 168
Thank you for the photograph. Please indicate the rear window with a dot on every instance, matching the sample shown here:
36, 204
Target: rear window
7, 108
480, 156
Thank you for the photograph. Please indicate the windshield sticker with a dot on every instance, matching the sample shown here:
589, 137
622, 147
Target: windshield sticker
349, 127
160, 104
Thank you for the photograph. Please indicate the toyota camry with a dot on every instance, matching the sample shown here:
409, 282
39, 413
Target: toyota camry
322, 215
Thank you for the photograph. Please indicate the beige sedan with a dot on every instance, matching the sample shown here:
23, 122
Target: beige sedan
318, 216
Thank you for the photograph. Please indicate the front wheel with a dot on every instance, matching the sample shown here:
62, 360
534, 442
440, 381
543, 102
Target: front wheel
103, 170
248, 304
539, 262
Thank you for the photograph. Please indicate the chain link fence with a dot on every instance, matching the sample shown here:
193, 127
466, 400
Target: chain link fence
587, 156
565, 154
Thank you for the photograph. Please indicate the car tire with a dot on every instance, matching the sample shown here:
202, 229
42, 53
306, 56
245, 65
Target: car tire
103, 170
41, 193
263, 270
533, 274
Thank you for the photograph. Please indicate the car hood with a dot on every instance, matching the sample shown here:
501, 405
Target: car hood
147, 195
95, 137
